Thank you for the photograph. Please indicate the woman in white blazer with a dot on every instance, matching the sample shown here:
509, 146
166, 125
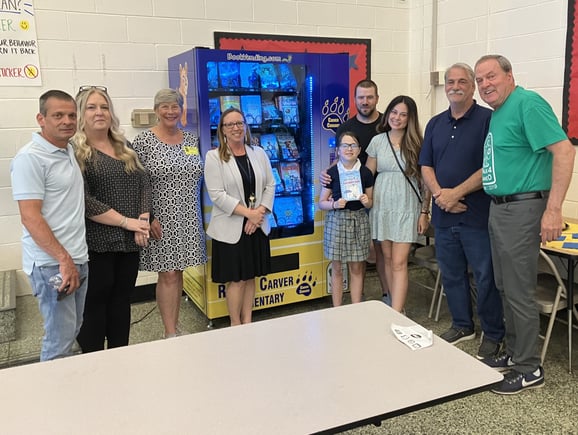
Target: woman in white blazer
241, 186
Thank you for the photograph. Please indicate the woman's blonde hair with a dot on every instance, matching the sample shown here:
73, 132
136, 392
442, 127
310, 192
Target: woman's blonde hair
224, 151
412, 139
82, 149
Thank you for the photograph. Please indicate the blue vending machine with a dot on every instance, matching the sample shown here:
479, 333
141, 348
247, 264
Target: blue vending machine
293, 103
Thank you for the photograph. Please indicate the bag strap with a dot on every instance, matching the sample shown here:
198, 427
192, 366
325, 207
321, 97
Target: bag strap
401, 169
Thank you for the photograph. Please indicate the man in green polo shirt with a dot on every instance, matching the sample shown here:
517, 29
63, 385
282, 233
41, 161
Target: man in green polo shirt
527, 167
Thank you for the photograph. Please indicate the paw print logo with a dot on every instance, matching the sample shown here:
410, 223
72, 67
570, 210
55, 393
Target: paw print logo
305, 283
333, 113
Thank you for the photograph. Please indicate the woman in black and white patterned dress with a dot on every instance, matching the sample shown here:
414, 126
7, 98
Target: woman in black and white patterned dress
173, 158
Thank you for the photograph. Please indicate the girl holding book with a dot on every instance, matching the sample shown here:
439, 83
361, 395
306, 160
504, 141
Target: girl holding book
347, 234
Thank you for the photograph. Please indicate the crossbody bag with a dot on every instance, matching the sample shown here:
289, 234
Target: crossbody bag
402, 171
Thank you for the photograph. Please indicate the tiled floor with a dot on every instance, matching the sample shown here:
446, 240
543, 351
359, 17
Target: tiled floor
552, 409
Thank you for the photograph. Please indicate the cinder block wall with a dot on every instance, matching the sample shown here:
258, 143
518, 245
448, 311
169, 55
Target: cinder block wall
124, 45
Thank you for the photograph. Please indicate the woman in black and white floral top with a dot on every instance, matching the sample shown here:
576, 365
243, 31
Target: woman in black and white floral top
117, 202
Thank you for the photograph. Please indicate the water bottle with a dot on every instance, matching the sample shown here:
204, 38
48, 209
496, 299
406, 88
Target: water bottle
55, 281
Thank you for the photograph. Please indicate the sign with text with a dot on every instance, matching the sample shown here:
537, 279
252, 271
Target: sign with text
359, 51
19, 64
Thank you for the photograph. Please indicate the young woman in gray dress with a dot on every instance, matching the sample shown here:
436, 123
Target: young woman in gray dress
398, 194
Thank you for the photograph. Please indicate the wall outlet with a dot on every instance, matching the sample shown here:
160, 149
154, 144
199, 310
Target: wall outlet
142, 118
436, 78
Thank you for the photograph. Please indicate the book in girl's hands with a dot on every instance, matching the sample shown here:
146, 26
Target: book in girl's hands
214, 111
288, 146
278, 182
212, 75
228, 101
289, 108
291, 176
229, 74
268, 76
350, 184
251, 107
249, 73
269, 144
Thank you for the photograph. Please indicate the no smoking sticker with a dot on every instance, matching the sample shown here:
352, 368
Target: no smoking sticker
30, 71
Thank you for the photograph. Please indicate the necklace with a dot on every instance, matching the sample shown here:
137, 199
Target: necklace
246, 170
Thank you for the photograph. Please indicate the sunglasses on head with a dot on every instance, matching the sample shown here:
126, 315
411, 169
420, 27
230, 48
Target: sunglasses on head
90, 87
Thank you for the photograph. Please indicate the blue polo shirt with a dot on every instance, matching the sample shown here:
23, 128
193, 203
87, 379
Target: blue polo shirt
454, 149
41, 171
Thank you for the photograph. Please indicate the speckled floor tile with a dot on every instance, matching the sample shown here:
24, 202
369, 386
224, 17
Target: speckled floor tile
4, 353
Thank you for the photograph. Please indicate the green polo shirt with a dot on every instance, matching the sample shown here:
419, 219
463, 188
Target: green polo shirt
515, 156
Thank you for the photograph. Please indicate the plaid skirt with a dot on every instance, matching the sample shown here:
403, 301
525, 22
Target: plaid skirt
347, 235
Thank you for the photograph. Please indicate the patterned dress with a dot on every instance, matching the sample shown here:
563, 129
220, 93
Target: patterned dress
395, 212
176, 173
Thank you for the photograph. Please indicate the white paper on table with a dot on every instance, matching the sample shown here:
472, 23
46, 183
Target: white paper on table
415, 337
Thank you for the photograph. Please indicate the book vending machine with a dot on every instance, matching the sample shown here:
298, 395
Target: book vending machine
293, 103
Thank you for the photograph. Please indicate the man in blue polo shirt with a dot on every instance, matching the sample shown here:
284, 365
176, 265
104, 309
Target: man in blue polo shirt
451, 164
48, 185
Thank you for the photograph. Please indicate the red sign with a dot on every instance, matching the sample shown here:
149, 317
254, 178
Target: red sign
359, 50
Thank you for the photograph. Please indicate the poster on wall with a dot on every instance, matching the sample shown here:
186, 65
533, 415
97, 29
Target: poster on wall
359, 51
570, 94
19, 60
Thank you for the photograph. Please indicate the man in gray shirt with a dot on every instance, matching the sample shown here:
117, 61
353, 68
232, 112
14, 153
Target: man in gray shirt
48, 185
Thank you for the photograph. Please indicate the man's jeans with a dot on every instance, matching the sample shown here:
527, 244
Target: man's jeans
62, 319
456, 248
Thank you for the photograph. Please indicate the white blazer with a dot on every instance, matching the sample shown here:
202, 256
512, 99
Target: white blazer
225, 187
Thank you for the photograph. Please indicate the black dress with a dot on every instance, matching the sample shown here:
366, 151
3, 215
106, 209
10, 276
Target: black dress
251, 255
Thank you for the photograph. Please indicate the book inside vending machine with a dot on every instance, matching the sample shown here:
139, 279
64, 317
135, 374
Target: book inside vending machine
293, 103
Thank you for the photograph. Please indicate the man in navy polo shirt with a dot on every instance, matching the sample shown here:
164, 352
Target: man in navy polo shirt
451, 164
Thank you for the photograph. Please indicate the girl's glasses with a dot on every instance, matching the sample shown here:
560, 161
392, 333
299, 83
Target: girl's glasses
351, 146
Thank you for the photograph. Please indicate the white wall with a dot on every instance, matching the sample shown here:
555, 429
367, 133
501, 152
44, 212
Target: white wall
530, 33
124, 45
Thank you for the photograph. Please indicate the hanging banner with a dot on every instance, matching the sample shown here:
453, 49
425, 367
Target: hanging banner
570, 95
19, 64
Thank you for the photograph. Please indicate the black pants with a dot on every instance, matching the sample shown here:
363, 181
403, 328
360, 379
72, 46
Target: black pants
107, 307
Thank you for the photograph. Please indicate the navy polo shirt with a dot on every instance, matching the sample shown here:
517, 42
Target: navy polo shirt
454, 149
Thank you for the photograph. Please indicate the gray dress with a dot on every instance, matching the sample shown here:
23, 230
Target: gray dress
395, 212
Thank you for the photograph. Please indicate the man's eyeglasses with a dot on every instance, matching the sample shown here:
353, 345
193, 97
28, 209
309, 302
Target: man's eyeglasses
90, 87
351, 146
239, 124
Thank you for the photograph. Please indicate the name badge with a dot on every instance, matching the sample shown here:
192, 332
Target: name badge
191, 151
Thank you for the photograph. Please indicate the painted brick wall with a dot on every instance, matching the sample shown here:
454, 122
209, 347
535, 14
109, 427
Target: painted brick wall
124, 45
